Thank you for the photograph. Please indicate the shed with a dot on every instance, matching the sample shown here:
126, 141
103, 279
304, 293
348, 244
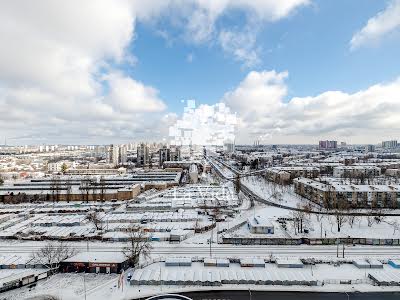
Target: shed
221, 262
289, 263
246, 262
210, 262
395, 263
361, 264
259, 262
178, 261
375, 264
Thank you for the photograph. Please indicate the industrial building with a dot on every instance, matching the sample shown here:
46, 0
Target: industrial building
95, 262
83, 188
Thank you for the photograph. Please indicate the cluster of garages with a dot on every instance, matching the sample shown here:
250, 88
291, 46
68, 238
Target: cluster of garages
215, 272
391, 278
219, 277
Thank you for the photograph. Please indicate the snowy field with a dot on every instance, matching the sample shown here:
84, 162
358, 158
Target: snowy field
321, 226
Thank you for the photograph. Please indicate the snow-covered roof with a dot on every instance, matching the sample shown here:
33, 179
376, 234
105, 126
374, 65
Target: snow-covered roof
101, 257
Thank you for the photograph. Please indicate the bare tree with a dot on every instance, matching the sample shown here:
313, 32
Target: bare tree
298, 219
52, 254
395, 225
341, 207
94, 218
138, 245
370, 220
352, 219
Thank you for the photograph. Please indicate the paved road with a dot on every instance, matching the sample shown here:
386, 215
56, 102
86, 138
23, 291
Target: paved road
225, 250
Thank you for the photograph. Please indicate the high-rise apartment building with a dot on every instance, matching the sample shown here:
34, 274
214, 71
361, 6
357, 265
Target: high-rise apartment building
113, 155
327, 145
143, 157
369, 148
389, 144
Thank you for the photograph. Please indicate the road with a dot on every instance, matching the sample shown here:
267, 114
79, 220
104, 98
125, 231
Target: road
202, 250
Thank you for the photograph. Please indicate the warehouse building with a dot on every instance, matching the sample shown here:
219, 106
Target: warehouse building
95, 262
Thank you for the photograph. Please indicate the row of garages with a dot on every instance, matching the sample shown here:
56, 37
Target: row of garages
385, 278
151, 216
219, 277
18, 262
237, 240
19, 279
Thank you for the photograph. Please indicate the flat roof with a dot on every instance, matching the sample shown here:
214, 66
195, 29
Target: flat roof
99, 257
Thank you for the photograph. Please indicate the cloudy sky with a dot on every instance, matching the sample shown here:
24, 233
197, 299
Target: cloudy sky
104, 71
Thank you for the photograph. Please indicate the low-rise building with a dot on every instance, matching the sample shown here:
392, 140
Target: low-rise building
259, 224
355, 196
284, 175
356, 171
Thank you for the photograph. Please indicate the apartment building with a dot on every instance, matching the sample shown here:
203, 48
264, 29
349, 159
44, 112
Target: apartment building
355, 196
327, 145
284, 175
356, 171
143, 156
389, 144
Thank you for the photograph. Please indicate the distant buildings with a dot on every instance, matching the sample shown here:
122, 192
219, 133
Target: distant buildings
169, 154
389, 144
113, 155
369, 148
356, 171
327, 145
117, 155
143, 157
229, 146
122, 154
193, 173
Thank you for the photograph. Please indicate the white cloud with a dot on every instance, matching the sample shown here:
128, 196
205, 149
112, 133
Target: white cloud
242, 45
129, 95
199, 21
54, 59
378, 26
59, 62
265, 114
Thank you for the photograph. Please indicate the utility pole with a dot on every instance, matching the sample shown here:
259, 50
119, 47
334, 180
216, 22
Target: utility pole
337, 248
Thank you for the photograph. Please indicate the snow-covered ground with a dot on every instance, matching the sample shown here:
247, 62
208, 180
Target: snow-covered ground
64, 286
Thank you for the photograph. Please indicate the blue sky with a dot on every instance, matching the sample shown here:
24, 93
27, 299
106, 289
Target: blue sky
312, 44
294, 71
